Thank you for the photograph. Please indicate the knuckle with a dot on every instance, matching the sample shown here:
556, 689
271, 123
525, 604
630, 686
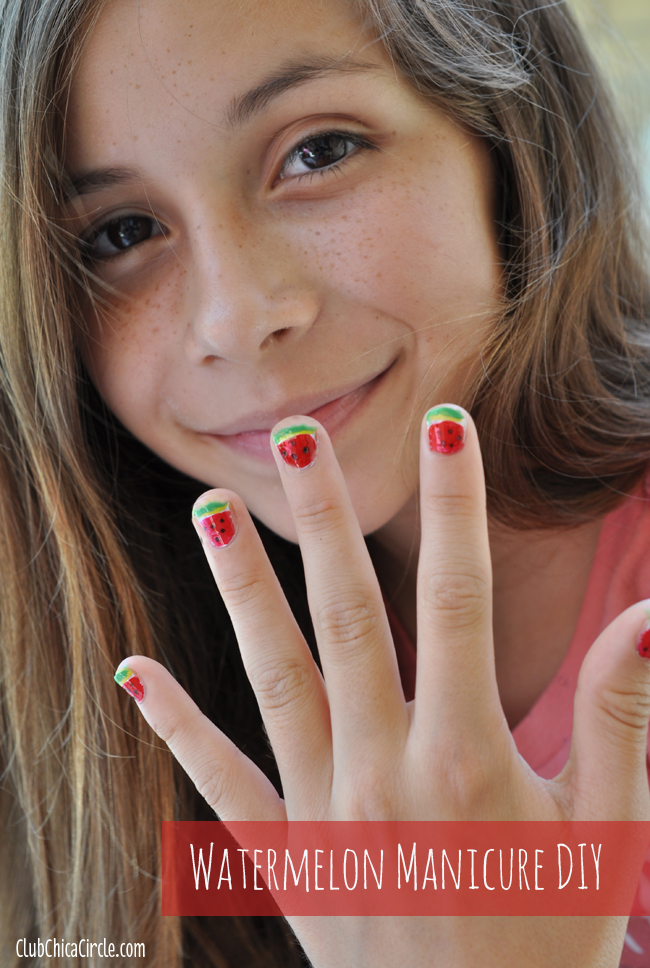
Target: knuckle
318, 516
281, 684
467, 779
172, 730
215, 784
460, 596
371, 797
629, 707
246, 589
459, 507
349, 618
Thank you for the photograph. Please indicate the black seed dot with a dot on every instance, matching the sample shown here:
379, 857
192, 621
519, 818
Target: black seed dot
222, 530
305, 450
294, 457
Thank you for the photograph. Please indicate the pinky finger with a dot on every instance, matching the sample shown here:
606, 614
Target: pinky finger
234, 787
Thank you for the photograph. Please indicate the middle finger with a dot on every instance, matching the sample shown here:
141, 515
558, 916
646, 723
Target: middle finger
355, 644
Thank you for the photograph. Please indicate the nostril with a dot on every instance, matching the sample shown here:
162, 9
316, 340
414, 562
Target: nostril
276, 337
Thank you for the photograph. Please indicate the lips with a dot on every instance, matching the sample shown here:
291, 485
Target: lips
332, 415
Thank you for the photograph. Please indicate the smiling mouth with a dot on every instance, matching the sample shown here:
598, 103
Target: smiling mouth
333, 415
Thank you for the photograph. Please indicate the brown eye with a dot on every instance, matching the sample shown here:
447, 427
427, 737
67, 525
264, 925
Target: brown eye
129, 231
121, 234
324, 152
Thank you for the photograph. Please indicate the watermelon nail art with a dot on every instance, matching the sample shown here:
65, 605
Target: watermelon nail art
643, 645
216, 521
128, 680
297, 445
446, 427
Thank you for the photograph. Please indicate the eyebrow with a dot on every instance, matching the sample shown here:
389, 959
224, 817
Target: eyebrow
92, 181
244, 106
240, 110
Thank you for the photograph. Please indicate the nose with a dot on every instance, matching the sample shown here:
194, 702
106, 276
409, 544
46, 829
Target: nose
247, 296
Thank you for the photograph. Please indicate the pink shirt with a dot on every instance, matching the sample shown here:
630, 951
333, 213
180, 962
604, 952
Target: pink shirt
620, 576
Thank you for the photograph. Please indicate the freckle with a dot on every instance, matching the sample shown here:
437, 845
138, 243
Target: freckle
137, 87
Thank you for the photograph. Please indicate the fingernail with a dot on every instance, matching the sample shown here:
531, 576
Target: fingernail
297, 445
643, 642
128, 680
215, 518
446, 427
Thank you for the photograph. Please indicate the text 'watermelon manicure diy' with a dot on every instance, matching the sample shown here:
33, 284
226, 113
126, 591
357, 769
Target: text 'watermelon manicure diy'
446, 427
216, 521
297, 445
129, 681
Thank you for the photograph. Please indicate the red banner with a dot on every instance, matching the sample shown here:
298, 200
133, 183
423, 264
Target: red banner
402, 868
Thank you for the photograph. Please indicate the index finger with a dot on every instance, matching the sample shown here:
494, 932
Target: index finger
456, 680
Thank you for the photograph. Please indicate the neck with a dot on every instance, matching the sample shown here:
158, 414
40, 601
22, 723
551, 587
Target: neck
539, 583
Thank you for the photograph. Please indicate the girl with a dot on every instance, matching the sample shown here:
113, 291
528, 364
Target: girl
314, 221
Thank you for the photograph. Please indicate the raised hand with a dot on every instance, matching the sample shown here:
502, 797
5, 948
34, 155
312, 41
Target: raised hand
348, 745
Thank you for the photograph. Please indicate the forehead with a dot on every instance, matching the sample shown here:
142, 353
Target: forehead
197, 44
191, 59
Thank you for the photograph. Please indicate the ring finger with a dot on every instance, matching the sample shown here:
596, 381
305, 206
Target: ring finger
287, 683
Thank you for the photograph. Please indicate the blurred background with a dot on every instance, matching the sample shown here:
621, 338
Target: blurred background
619, 34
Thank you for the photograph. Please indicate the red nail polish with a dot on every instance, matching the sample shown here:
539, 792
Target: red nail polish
128, 680
297, 445
446, 427
643, 643
216, 521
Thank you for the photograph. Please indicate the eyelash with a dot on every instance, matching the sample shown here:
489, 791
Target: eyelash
358, 142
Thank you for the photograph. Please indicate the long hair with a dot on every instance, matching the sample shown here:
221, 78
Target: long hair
561, 403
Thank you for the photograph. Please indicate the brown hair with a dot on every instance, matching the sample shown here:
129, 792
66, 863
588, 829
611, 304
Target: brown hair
561, 404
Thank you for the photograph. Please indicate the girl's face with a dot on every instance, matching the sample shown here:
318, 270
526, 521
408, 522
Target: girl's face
288, 228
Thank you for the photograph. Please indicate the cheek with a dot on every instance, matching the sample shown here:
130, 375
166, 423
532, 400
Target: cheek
131, 345
404, 252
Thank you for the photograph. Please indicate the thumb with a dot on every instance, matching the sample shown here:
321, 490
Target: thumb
233, 786
607, 770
